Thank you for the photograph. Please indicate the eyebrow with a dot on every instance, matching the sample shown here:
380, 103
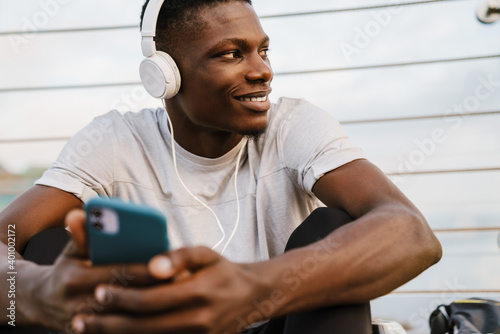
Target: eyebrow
241, 43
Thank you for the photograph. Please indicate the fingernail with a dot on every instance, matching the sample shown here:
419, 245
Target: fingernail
102, 295
164, 264
161, 266
78, 325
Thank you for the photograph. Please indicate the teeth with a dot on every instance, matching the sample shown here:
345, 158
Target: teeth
253, 99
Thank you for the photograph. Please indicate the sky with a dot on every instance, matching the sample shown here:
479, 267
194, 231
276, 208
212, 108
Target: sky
449, 91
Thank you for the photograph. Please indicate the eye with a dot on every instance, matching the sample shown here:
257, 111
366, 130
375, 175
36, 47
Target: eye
231, 55
264, 53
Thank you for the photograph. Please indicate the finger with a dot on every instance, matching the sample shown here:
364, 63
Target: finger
75, 221
152, 298
193, 258
184, 292
179, 261
161, 267
77, 276
179, 322
134, 274
79, 272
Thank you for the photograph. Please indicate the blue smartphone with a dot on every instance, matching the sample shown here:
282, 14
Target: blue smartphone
121, 232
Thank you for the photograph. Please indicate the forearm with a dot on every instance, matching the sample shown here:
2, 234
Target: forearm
358, 262
37, 209
13, 288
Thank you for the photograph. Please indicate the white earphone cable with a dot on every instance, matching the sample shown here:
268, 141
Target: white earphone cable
237, 198
200, 201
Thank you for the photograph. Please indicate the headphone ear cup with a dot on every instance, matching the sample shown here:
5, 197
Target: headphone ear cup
160, 75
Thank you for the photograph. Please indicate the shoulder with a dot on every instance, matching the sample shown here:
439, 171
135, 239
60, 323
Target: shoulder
129, 122
286, 106
289, 116
287, 109
142, 117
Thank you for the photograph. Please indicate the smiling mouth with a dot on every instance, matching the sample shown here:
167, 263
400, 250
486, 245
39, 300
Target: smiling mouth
252, 99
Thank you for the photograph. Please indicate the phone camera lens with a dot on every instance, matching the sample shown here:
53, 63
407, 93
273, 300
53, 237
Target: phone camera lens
96, 213
97, 225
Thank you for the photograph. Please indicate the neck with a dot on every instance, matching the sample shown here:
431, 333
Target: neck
201, 141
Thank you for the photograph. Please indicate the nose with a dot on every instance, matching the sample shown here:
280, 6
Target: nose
259, 69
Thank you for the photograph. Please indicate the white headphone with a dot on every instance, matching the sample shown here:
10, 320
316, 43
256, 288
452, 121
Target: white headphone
159, 73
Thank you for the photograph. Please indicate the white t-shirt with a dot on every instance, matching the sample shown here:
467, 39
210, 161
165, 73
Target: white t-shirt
130, 156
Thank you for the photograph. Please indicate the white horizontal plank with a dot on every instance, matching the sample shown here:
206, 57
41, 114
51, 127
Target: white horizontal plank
277, 7
73, 58
432, 31
17, 158
59, 14
437, 89
471, 261
63, 113
459, 200
452, 142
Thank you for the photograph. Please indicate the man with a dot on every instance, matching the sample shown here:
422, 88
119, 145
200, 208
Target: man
296, 157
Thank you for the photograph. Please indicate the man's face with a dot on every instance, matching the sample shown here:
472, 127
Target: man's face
225, 72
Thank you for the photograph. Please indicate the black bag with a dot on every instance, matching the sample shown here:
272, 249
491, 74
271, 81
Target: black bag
470, 316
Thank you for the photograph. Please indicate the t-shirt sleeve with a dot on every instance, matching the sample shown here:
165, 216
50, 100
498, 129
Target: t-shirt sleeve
313, 143
85, 165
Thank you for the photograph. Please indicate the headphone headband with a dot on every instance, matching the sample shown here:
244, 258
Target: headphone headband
159, 73
148, 29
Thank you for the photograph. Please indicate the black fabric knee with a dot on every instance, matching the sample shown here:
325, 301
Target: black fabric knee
344, 319
320, 223
45, 247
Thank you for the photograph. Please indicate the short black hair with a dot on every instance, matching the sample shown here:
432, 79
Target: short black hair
178, 21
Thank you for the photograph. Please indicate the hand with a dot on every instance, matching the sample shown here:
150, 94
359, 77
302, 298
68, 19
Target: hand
208, 294
51, 295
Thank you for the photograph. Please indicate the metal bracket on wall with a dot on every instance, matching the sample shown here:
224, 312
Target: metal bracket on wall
489, 11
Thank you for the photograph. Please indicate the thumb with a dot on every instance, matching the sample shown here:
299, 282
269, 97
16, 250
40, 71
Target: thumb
75, 221
182, 262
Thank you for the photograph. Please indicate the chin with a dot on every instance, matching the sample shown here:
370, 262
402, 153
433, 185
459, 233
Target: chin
254, 134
